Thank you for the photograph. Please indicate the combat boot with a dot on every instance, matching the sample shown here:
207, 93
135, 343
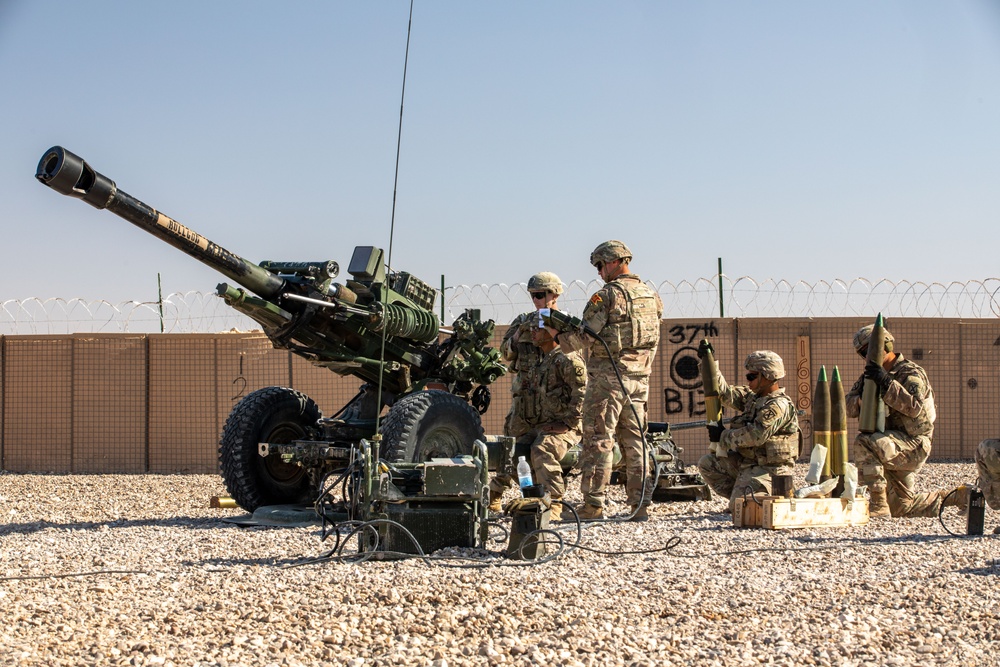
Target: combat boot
495, 505
958, 497
877, 503
639, 514
588, 512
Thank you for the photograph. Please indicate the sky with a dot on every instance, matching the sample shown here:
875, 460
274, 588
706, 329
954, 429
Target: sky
795, 140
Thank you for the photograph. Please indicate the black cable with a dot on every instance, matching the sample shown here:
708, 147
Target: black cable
941, 514
671, 543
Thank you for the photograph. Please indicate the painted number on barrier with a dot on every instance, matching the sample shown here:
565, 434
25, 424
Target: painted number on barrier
686, 396
688, 333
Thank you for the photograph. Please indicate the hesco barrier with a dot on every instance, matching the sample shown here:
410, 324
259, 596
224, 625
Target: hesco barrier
137, 403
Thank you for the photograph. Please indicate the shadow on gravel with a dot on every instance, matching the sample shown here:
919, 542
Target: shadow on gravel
227, 563
993, 569
913, 538
706, 521
194, 523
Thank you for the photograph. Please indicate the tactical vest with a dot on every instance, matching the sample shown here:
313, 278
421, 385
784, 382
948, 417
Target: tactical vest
528, 355
549, 397
782, 447
637, 327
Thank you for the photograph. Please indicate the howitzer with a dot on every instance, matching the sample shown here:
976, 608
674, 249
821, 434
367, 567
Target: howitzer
379, 326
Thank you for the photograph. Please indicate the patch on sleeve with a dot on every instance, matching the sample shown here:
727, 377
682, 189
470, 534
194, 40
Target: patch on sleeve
768, 414
596, 299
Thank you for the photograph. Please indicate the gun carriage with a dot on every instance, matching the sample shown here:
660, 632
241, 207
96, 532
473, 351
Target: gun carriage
425, 385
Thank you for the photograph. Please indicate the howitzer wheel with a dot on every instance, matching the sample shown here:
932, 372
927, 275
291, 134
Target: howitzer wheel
274, 415
429, 424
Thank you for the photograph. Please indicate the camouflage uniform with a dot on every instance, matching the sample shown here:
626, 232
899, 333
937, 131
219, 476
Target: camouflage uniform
522, 359
553, 409
988, 463
626, 314
888, 461
762, 441
549, 406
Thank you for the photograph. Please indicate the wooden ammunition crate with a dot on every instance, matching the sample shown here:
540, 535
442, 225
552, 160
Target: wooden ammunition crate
777, 513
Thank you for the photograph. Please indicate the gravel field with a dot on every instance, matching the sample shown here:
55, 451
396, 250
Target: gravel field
138, 570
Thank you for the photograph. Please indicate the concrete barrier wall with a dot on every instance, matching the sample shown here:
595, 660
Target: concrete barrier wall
129, 403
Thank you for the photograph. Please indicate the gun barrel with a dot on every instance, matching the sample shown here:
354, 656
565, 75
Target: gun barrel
68, 174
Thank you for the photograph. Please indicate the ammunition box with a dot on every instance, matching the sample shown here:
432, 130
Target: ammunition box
451, 477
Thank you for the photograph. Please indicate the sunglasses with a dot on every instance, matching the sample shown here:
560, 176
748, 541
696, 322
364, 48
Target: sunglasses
599, 266
863, 351
752, 376
538, 295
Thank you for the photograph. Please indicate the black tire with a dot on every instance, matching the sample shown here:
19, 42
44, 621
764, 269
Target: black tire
429, 424
275, 415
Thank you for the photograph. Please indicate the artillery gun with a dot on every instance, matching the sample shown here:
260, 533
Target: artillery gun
276, 446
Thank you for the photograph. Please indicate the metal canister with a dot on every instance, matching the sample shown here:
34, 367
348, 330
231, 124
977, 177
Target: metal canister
783, 485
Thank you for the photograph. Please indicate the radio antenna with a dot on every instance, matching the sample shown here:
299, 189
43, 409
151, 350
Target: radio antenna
399, 135
392, 216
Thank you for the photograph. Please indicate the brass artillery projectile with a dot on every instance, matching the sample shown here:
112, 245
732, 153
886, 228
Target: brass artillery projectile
710, 386
821, 418
870, 400
222, 502
838, 425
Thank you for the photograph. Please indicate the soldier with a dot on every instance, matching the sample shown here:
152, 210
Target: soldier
553, 408
988, 464
523, 357
625, 315
762, 441
888, 461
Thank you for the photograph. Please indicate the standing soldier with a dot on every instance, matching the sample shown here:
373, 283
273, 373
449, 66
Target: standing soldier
988, 465
762, 441
625, 315
523, 357
888, 460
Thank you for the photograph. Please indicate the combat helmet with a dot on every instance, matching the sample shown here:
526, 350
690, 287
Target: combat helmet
767, 363
546, 280
864, 335
609, 251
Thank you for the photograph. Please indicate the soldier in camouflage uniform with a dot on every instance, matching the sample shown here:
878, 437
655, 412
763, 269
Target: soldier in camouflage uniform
888, 460
552, 408
988, 464
522, 357
762, 441
625, 314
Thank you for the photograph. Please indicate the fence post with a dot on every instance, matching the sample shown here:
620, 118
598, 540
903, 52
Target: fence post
722, 310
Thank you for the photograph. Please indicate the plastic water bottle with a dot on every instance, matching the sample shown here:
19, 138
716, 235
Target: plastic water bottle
523, 473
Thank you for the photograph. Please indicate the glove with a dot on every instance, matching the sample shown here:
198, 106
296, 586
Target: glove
715, 431
704, 347
879, 375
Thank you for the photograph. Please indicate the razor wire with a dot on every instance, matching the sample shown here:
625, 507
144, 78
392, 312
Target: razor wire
770, 298
744, 297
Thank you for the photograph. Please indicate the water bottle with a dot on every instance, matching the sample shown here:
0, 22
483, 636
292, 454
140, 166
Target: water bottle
523, 473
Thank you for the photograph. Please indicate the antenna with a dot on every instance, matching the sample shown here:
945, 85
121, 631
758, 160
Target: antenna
392, 217
399, 135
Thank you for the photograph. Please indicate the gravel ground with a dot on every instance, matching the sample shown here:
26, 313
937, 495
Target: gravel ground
138, 570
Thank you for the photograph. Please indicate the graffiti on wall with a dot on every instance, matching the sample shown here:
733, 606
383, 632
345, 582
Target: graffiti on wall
685, 398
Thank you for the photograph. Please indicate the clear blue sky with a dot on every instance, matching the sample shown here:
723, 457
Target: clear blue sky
796, 140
